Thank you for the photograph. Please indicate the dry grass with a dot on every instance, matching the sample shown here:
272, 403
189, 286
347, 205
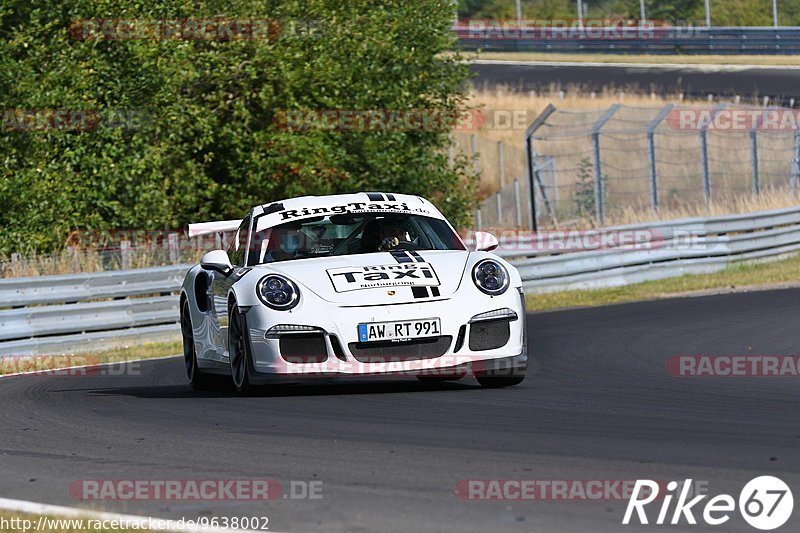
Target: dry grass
759, 60
89, 260
738, 277
149, 350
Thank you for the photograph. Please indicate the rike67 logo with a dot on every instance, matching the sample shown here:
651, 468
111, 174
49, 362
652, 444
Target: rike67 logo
765, 503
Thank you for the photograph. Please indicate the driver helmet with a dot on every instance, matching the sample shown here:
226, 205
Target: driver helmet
392, 234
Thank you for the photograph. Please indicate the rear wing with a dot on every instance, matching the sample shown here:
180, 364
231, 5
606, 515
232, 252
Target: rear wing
204, 228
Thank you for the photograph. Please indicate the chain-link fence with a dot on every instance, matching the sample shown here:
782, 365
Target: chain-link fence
622, 162
633, 158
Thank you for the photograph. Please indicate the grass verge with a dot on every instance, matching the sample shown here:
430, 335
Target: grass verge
736, 277
777, 60
14, 364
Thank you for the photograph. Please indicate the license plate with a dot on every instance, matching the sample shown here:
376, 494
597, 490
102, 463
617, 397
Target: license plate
400, 330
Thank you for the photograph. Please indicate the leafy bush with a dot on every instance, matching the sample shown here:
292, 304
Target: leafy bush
205, 144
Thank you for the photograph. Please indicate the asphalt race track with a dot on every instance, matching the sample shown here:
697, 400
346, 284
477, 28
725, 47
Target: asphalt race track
698, 81
389, 454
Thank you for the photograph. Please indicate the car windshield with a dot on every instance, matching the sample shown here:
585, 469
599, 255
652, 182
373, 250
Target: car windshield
349, 234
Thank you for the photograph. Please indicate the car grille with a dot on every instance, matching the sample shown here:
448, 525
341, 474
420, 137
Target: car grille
489, 334
388, 351
304, 348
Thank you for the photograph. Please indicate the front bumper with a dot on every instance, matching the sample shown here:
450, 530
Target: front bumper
343, 355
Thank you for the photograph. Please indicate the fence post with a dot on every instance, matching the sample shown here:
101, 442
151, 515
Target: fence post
16, 264
529, 156
125, 254
704, 154
72, 251
499, 203
450, 150
598, 171
501, 166
754, 161
172, 238
651, 154
473, 142
704, 163
794, 179
478, 221
517, 206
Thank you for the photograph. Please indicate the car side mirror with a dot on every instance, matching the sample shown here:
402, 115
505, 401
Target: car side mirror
485, 241
218, 261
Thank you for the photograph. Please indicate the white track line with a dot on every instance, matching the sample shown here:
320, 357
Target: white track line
710, 67
48, 371
144, 523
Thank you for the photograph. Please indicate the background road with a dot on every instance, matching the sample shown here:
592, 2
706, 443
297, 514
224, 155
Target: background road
389, 455
780, 84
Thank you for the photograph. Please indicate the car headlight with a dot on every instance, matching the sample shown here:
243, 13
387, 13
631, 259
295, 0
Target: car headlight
278, 292
490, 277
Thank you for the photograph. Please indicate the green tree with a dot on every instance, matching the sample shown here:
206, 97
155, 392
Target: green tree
209, 146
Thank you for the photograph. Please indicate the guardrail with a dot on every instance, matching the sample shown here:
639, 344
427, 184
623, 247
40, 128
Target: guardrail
492, 36
662, 249
62, 314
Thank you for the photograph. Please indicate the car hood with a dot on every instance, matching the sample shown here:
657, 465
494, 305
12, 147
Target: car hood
378, 279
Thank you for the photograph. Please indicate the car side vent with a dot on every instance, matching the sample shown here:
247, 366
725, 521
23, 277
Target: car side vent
337, 348
462, 332
201, 283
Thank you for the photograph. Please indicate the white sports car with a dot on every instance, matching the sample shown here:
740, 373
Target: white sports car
366, 284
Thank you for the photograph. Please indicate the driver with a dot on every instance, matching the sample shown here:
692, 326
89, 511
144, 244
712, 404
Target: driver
284, 244
392, 234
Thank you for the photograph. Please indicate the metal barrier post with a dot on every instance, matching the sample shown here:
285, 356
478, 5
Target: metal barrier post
501, 166
473, 142
704, 164
517, 206
794, 179
704, 155
125, 254
499, 203
754, 161
651, 154
530, 156
172, 238
598, 171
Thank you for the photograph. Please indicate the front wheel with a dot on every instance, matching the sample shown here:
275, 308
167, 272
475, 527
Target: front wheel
198, 379
239, 352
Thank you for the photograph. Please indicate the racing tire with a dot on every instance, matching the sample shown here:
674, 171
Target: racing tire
239, 352
198, 379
